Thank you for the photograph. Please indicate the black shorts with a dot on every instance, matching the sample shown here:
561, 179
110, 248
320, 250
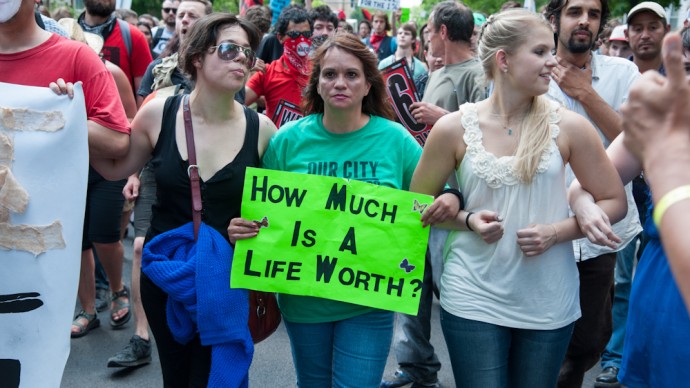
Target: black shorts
147, 196
104, 201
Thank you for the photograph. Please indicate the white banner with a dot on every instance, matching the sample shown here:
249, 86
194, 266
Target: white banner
386, 5
43, 176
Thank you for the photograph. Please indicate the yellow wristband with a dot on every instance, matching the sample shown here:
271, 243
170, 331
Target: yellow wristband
669, 199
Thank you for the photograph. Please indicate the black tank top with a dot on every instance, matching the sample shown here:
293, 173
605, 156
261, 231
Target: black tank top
221, 195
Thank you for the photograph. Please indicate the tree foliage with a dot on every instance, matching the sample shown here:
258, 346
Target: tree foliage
487, 7
419, 14
154, 6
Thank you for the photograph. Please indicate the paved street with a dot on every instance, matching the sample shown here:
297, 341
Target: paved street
272, 365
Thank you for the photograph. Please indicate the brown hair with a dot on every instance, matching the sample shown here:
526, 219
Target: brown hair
382, 15
410, 27
208, 7
375, 102
256, 14
204, 34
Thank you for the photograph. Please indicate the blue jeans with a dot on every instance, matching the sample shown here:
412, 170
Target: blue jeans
487, 355
347, 353
625, 264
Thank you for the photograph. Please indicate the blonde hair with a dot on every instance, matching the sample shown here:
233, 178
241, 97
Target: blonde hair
508, 31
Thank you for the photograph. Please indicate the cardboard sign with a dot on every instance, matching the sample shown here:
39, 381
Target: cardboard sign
332, 238
402, 94
386, 5
286, 112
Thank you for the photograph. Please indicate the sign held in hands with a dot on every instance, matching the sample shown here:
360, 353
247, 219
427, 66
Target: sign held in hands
332, 238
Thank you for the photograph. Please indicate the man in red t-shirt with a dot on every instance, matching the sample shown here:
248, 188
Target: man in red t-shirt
99, 18
285, 78
34, 57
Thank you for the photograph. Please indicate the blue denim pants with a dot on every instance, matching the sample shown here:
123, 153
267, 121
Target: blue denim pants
625, 264
347, 353
487, 355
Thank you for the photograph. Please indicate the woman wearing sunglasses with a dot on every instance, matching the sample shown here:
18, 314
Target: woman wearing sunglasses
217, 54
348, 122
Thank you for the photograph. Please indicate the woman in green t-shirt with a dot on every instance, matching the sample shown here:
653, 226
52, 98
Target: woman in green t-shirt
347, 123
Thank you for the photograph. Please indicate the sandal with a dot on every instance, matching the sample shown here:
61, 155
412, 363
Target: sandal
92, 323
115, 298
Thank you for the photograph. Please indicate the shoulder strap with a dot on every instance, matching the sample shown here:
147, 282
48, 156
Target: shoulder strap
157, 36
193, 169
252, 133
252, 118
126, 35
127, 38
39, 20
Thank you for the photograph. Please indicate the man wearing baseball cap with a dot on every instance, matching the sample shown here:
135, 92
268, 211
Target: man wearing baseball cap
647, 26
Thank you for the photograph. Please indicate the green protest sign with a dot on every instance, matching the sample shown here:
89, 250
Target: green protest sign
332, 238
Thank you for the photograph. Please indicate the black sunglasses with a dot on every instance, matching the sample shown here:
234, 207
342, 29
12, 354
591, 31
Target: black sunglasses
296, 34
168, 10
229, 51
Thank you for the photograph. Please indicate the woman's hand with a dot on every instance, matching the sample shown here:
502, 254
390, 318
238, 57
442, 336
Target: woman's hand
537, 238
241, 229
131, 189
595, 224
486, 224
61, 87
260, 65
444, 208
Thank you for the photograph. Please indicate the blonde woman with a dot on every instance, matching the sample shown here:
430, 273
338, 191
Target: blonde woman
509, 290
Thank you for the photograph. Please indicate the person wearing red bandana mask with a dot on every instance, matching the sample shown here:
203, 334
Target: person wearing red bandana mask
383, 45
282, 82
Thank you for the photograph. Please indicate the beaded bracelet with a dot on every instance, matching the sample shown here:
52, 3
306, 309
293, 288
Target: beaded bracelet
669, 199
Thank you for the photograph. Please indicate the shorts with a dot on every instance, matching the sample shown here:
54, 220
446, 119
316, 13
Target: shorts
104, 201
147, 196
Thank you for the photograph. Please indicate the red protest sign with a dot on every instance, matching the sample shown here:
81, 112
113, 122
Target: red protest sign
402, 94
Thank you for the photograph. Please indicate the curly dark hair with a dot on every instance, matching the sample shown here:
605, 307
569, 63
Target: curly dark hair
296, 14
555, 7
323, 13
375, 102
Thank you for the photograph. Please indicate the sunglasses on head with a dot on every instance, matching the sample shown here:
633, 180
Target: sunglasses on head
296, 34
168, 10
229, 51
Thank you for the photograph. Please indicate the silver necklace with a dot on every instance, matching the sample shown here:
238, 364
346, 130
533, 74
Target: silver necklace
508, 129
505, 123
